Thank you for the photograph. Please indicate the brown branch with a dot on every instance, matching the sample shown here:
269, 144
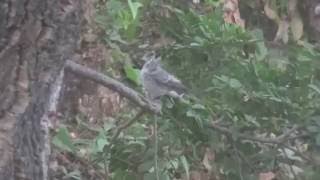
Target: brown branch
277, 140
280, 140
111, 84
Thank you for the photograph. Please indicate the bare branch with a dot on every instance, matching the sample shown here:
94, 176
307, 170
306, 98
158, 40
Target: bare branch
111, 84
127, 124
277, 140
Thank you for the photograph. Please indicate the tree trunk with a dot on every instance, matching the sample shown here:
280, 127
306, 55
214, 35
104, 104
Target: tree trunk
313, 14
36, 38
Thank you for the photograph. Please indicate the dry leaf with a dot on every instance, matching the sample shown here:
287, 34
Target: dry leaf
290, 170
282, 32
270, 13
209, 156
267, 176
296, 25
232, 13
195, 1
317, 10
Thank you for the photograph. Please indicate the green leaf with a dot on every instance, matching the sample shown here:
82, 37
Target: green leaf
134, 6
108, 126
185, 165
146, 166
132, 74
252, 120
63, 141
234, 83
193, 114
101, 142
198, 106
262, 50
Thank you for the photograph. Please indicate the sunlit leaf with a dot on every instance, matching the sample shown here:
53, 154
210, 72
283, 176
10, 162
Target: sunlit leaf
134, 6
107, 126
296, 26
132, 74
234, 83
282, 32
271, 14
101, 142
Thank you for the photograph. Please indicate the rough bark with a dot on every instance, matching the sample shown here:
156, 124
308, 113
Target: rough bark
36, 37
312, 11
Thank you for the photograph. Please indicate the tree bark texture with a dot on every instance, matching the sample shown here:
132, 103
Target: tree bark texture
313, 10
36, 38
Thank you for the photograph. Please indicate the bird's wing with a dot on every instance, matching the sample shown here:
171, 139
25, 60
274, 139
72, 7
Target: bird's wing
164, 78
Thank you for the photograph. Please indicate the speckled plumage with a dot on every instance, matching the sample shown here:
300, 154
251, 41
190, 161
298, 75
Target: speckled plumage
157, 82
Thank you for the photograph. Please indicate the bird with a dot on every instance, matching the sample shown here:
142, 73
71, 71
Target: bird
157, 82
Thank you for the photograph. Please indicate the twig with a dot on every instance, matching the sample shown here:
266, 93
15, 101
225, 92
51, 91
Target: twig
127, 124
156, 149
111, 84
277, 140
238, 159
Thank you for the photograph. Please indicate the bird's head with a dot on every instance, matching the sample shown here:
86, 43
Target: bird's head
151, 62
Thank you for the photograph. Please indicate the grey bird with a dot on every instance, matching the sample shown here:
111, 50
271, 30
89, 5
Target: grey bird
157, 82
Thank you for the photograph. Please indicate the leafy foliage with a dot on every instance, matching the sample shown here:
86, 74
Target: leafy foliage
120, 19
63, 141
237, 80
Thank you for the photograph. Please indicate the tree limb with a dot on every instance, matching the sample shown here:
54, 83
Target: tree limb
277, 140
111, 84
